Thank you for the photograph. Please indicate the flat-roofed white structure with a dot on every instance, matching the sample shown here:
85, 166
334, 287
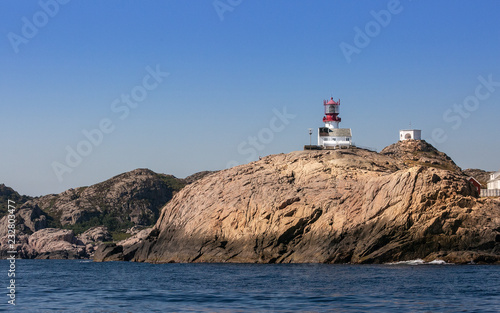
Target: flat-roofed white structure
407, 134
334, 137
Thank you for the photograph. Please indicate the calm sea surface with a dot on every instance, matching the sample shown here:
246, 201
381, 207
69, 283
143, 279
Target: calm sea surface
84, 286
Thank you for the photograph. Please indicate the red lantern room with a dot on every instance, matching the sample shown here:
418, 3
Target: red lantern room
331, 118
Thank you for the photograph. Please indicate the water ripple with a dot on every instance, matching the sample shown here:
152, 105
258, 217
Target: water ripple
76, 286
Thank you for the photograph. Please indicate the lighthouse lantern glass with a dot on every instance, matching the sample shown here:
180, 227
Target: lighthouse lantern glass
331, 109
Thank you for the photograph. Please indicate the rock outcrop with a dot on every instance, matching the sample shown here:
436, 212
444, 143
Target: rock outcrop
123, 250
47, 243
137, 237
29, 219
109, 252
419, 152
344, 206
132, 198
52, 243
94, 236
7, 193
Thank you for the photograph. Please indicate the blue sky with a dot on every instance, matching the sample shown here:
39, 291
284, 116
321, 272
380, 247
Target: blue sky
232, 64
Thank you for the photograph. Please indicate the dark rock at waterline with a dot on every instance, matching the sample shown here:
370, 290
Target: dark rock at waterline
109, 252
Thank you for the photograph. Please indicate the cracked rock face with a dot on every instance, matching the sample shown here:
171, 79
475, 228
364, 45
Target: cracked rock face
48, 243
134, 197
419, 152
339, 206
29, 219
95, 235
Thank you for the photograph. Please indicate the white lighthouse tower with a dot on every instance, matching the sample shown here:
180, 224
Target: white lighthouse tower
331, 136
332, 110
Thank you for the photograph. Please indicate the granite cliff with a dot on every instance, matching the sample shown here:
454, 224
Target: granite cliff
7, 193
345, 206
72, 223
128, 199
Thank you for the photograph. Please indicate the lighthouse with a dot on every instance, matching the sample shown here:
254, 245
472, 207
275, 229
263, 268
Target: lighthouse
331, 136
331, 118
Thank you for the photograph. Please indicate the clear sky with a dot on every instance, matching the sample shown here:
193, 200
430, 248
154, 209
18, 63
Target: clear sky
185, 86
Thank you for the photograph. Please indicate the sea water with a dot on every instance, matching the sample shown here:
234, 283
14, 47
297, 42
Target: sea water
85, 286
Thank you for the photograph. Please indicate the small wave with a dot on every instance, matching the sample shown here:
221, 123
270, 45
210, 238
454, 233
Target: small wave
410, 262
419, 262
85, 261
439, 262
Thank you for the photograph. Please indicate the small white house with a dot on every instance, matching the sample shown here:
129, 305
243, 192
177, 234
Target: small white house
406, 134
494, 182
334, 137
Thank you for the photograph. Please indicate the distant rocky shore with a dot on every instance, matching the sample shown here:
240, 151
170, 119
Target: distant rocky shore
410, 201
71, 224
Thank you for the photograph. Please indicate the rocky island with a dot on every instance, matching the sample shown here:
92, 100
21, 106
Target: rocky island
73, 223
352, 205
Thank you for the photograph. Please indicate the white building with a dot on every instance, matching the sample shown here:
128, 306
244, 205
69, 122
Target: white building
331, 136
406, 134
494, 182
334, 137
493, 186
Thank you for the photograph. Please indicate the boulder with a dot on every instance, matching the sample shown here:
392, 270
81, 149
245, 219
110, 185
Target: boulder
56, 243
95, 235
136, 238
